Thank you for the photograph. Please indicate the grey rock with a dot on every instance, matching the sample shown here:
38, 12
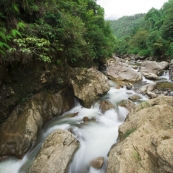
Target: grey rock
89, 85
55, 154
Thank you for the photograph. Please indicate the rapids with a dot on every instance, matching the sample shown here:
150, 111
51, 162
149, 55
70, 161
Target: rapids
96, 136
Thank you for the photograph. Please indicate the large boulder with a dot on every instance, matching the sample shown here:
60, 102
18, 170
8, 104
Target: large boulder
145, 139
152, 67
119, 71
89, 85
19, 133
55, 154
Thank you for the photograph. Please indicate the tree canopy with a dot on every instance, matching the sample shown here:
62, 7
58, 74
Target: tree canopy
58, 31
153, 36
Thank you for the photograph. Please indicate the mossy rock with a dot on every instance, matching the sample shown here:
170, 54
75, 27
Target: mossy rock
164, 85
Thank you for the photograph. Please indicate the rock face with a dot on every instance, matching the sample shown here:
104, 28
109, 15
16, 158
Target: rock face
19, 133
121, 72
55, 154
152, 68
89, 85
145, 139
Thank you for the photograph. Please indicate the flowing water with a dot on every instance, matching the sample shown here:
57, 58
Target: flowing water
96, 136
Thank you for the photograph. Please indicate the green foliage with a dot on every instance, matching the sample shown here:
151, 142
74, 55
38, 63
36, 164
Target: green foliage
59, 31
152, 36
124, 26
34, 46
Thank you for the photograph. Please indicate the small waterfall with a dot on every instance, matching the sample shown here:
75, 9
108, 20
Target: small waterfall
96, 136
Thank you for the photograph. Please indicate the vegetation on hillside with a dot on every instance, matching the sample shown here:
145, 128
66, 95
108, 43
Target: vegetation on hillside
126, 25
71, 32
153, 37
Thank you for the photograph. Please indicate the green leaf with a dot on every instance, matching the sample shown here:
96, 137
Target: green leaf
2, 52
2, 35
2, 45
15, 8
15, 32
21, 25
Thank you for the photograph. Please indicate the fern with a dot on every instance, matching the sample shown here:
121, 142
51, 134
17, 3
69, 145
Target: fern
21, 25
2, 52
15, 8
2, 45
15, 32
2, 35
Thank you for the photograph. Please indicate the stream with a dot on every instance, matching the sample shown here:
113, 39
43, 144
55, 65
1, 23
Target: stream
95, 136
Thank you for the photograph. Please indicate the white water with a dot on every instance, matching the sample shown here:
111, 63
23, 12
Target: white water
96, 136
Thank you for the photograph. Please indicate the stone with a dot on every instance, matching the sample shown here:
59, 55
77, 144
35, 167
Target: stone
134, 97
89, 85
153, 67
97, 162
55, 154
127, 104
145, 139
150, 76
106, 105
85, 119
129, 86
147, 89
118, 71
19, 133
72, 115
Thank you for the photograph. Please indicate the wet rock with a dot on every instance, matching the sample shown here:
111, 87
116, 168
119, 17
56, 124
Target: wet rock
164, 85
72, 115
145, 139
135, 97
19, 133
127, 104
97, 162
106, 105
89, 85
165, 92
85, 119
121, 72
151, 76
151, 94
129, 86
147, 89
55, 154
153, 67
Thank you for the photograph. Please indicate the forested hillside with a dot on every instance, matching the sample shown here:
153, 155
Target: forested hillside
154, 37
125, 25
61, 31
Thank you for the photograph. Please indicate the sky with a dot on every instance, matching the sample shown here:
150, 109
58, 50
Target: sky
115, 9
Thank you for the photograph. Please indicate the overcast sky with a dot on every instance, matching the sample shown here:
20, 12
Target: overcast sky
115, 9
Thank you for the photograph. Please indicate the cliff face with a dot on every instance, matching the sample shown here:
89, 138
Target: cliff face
19, 81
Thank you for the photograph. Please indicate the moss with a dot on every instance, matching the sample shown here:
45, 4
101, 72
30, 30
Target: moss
136, 156
164, 85
128, 132
144, 104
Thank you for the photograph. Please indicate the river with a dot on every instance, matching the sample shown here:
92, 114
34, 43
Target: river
96, 136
